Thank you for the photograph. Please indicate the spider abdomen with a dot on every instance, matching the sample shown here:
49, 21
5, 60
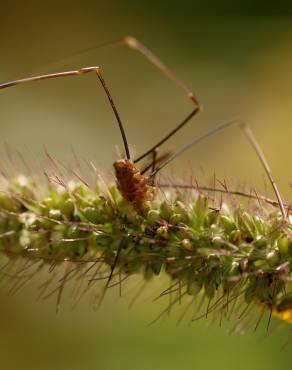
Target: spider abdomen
133, 186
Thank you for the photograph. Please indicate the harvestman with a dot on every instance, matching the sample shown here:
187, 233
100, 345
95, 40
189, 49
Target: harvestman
132, 183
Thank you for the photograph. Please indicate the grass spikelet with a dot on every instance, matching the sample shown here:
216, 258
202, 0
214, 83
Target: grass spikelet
224, 253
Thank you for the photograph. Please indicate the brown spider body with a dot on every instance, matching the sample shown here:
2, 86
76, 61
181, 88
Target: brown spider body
133, 186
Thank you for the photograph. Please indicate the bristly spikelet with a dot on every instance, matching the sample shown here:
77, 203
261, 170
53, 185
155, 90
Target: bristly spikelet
218, 253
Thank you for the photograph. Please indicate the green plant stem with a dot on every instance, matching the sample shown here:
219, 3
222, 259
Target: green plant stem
203, 248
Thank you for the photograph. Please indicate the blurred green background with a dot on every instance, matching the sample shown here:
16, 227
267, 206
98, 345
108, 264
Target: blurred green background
237, 58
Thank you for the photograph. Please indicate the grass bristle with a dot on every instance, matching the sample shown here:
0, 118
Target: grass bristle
218, 250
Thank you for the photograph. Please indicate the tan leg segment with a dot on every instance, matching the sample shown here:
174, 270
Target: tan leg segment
136, 45
152, 58
77, 72
253, 142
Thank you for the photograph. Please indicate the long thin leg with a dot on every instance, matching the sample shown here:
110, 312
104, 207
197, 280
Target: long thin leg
155, 160
136, 45
77, 72
253, 142
243, 194
152, 58
169, 135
